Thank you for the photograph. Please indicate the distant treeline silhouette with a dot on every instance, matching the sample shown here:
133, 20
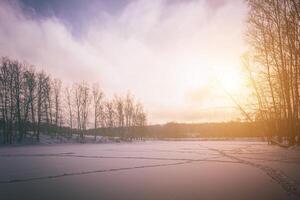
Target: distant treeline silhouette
273, 67
185, 130
32, 103
206, 130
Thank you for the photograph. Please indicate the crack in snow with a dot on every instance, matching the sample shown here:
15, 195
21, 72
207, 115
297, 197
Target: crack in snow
89, 172
184, 161
274, 160
291, 186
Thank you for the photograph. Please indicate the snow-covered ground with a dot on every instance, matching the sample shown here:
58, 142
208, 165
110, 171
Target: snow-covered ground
150, 170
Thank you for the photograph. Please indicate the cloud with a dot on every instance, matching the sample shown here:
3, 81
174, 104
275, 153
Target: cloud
160, 50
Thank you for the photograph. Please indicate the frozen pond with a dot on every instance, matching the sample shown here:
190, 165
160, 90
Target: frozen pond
150, 170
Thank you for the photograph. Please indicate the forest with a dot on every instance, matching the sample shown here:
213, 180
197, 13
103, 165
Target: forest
32, 102
272, 68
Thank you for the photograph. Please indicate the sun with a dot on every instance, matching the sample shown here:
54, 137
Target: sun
230, 80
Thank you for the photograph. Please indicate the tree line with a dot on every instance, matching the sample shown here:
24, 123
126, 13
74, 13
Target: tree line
273, 66
224, 130
32, 102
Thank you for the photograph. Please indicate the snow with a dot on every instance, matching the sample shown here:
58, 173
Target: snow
150, 170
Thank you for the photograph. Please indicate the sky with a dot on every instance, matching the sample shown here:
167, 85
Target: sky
175, 56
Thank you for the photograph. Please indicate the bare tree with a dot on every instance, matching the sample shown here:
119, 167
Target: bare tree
82, 101
30, 84
57, 104
110, 114
77, 101
97, 100
128, 111
70, 109
5, 100
41, 101
47, 101
17, 90
120, 116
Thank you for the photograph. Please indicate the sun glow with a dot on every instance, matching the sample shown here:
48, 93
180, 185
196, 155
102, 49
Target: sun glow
230, 80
